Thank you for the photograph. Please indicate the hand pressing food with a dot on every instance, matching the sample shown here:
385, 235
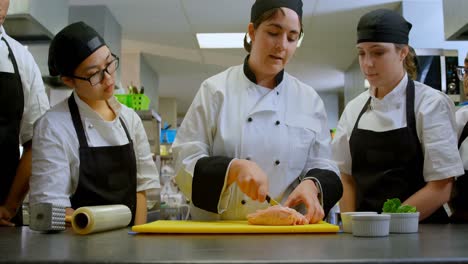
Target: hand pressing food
276, 216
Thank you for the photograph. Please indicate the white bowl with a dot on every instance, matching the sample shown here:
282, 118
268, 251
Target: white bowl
371, 225
346, 220
404, 222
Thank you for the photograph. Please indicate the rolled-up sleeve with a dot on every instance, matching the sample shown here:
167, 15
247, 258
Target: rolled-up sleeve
50, 181
147, 173
437, 131
193, 142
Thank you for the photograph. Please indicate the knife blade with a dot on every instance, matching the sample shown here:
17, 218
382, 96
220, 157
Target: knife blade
271, 201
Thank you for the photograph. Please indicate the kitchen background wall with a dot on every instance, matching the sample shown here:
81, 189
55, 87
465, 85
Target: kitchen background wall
156, 42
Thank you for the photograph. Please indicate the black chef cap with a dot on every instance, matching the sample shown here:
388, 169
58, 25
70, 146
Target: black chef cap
261, 6
383, 25
71, 46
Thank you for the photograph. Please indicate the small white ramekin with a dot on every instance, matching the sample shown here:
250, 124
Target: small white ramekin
376, 225
346, 220
404, 222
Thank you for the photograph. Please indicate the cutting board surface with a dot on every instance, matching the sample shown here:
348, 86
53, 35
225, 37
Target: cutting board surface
223, 227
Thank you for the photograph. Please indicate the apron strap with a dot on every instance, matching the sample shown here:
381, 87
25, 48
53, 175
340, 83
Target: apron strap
364, 109
126, 130
79, 125
13, 59
77, 121
410, 118
463, 135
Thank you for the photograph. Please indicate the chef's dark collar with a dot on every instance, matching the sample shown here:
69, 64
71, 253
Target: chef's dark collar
251, 75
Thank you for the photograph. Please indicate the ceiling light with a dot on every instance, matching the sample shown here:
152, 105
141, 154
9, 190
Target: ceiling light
224, 40
220, 40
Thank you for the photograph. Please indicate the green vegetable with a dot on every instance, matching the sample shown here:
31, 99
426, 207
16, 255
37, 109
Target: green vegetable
406, 209
394, 206
391, 205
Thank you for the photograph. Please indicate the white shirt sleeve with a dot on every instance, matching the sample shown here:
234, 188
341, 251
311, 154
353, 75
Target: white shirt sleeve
35, 97
437, 132
147, 173
340, 145
320, 156
195, 138
50, 181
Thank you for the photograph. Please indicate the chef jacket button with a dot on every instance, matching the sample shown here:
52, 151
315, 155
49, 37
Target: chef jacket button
277, 122
249, 119
247, 158
90, 126
243, 202
277, 162
277, 93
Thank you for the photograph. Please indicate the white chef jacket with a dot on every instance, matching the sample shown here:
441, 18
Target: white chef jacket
56, 160
462, 118
435, 126
216, 125
35, 97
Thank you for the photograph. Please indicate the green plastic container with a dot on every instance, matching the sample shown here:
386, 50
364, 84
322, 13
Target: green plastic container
134, 101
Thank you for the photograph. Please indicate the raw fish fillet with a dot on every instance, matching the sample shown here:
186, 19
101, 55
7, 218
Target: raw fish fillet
277, 216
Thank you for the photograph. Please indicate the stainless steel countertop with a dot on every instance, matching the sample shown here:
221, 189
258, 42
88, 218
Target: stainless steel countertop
433, 244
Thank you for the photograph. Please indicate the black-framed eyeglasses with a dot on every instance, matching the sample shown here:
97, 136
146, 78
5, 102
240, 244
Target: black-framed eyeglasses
99, 76
461, 71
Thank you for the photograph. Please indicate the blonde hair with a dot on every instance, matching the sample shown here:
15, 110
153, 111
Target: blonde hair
410, 64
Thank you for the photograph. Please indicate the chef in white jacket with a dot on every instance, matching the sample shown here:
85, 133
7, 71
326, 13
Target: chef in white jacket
396, 140
90, 149
254, 130
23, 101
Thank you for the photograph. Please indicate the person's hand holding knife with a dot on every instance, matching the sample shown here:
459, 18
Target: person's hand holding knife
250, 178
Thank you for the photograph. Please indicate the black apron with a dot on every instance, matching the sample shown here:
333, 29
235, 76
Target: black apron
107, 174
459, 201
11, 113
388, 164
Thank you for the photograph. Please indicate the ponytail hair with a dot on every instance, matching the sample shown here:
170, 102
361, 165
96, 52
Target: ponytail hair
410, 63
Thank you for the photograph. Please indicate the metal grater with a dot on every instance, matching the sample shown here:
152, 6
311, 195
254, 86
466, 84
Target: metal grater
47, 217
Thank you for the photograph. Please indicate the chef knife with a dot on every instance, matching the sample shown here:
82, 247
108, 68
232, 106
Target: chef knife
271, 201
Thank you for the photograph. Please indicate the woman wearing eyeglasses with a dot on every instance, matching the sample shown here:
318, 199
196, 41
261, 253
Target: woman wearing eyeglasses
90, 149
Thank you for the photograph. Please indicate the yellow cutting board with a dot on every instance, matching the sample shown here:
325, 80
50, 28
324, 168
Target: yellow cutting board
223, 227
